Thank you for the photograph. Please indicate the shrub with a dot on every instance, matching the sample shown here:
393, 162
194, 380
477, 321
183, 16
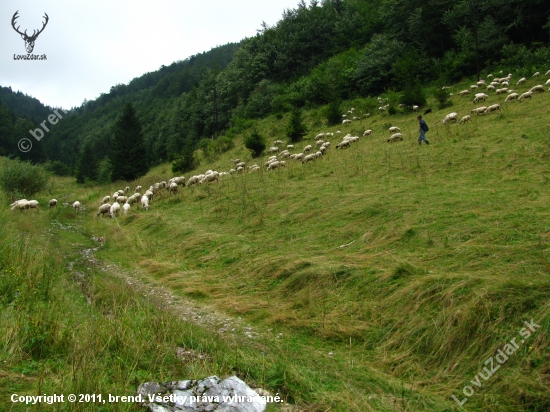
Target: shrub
57, 168
187, 161
332, 113
442, 97
295, 129
22, 179
105, 171
255, 143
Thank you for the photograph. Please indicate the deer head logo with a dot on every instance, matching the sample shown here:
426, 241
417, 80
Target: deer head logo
29, 40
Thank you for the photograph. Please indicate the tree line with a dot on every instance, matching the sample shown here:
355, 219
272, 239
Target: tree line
319, 53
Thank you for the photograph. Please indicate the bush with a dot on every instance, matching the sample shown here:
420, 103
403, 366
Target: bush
442, 97
187, 161
255, 143
20, 179
105, 171
413, 95
57, 168
332, 113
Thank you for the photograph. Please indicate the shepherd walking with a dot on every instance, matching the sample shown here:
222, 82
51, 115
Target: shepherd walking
423, 128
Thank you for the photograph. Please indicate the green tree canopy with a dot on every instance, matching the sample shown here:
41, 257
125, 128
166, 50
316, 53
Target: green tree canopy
128, 154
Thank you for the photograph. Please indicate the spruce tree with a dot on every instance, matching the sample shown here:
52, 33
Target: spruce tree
128, 154
295, 129
86, 167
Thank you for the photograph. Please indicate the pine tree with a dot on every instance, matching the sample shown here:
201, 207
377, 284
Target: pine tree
86, 167
295, 129
128, 154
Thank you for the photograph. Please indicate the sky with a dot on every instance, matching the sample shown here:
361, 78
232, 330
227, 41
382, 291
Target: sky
93, 45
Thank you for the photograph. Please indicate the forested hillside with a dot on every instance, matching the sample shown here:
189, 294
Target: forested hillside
318, 53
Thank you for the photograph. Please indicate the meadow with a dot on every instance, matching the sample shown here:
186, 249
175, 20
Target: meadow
377, 278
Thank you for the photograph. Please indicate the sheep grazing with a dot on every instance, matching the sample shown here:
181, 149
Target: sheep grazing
319, 136
493, 108
194, 180
415, 108
104, 209
537, 74
106, 199
451, 117
394, 129
513, 96
308, 148
367, 132
276, 164
505, 83
53, 203
241, 164
526, 95
138, 189
547, 82
343, 144
235, 161
395, 137
273, 149
464, 93
285, 154
126, 208
309, 158
501, 91
232, 171
115, 208
254, 168
144, 202
33, 204
479, 96
451, 95
22, 204
278, 142
298, 156
121, 199
346, 121
481, 82
489, 75
537, 88
547, 73
490, 87
521, 81
211, 178
473, 86
127, 189
290, 146
76, 206
479, 110
319, 143
240, 169
427, 111
465, 119
173, 188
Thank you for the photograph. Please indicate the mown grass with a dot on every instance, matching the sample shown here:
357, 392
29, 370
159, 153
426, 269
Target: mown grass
446, 258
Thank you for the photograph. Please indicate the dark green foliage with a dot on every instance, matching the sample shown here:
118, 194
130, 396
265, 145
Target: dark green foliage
295, 129
413, 95
57, 168
392, 110
187, 161
128, 154
20, 179
86, 167
105, 171
442, 97
255, 143
333, 113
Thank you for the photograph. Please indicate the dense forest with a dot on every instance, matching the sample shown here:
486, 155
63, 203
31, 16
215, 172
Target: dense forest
320, 52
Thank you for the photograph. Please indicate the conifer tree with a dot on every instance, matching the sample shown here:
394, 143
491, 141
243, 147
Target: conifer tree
86, 167
295, 129
128, 154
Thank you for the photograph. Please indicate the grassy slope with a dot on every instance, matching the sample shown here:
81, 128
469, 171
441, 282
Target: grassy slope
446, 264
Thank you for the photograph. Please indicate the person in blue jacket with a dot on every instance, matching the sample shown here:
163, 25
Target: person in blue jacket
423, 128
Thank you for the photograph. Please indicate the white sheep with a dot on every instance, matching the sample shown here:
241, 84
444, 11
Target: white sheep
503, 90
492, 108
537, 88
479, 110
273, 149
115, 208
319, 136
464, 93
451, 117
138, 189
126, 208
298, 156
278, 142
22, 204
231, 171
489, 75
547, 82
505, 83
33, 204
309, 158
173, 188
127, 189
104, 209
149, 195
415, 108
547, 73
513, 96
537, 74
289, 146
76, 206
52, 203
343, 144
121, 199
145, 202
395, 137
526, 95
394, 129
211, 178
367, 132
473, 86
347, 121
319, 143
465, 119
490, 87
521, 81
479, 96
106, 199
194, 180
308, 148
276, 165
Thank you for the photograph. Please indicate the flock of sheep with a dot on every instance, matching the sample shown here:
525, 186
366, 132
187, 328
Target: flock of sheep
503, 84
123, 201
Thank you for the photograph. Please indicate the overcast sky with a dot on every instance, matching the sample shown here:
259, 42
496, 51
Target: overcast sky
93, 45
